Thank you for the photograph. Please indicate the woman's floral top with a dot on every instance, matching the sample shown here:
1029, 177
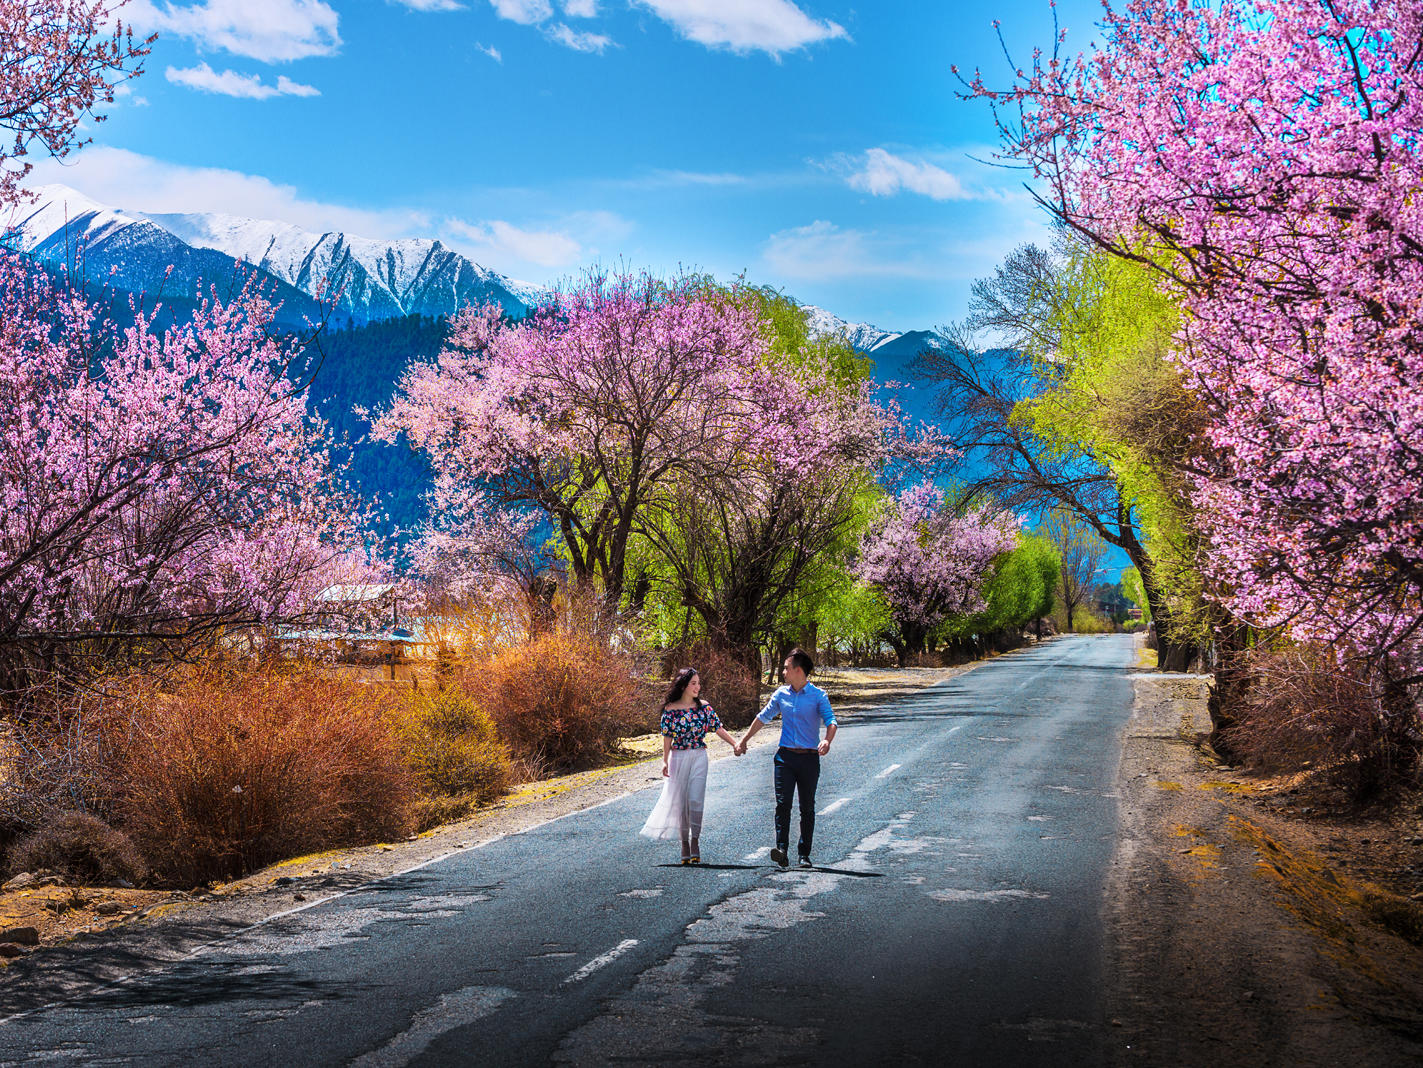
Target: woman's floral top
688, 726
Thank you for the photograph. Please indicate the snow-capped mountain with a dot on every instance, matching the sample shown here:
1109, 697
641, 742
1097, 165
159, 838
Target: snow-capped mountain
376, 279
863, 336
870, 339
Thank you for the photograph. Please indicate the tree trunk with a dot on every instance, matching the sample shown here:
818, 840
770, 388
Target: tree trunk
1229, 687
1172, 654
901, 651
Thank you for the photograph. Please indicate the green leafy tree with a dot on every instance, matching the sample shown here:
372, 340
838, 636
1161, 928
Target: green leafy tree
752, 552
1080, 554
1076, 406
1134, 592
1020, 592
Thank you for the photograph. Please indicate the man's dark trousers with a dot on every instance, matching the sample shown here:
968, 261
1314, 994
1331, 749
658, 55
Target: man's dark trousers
797, 773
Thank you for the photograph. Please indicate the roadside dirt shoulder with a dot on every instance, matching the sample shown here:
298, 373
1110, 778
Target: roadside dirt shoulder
1231, 938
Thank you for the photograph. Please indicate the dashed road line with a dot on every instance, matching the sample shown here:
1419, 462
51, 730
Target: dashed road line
762, 852
889, 770
601, 961
833, 806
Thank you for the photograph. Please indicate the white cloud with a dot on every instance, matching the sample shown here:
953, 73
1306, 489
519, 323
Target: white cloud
884, 174
126, 179
566, 242
490, 51
524, 12
679, 178
497, 241
823, 252
771, 26
577, 40
230, 83
817, 252
430, 5
268, 30
580, 9
124, 94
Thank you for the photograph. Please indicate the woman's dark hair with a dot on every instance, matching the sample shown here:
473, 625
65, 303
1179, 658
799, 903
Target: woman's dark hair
801, 659
679, 685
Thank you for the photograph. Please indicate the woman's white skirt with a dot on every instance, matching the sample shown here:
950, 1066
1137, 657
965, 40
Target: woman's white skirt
678, 812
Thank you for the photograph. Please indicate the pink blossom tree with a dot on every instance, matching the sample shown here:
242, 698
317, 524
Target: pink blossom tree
156, 488
593, 409
1265, 159
930, 561
59, 59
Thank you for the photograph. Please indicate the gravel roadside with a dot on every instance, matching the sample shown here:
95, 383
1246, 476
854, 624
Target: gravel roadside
1231, 938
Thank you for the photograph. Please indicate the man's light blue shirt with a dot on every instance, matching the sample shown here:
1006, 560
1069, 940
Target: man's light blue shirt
802, 715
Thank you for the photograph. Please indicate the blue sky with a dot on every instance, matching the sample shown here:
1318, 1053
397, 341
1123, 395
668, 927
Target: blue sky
817, 145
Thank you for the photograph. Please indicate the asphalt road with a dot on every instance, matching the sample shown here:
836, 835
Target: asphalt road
954, 918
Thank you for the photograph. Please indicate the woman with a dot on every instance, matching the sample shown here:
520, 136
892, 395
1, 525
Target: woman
686, 721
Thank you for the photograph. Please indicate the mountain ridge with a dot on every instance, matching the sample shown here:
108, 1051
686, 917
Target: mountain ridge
149, 253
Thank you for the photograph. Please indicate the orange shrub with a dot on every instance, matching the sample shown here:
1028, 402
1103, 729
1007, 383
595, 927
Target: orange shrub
231, 771
60, 762
454, 749
561, 701
1297, 706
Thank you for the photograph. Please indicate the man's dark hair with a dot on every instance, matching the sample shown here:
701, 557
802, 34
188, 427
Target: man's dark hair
801, 659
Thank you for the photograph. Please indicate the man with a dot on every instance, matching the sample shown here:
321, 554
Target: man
803, 708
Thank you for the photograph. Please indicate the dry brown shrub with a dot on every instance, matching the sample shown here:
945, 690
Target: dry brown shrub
1296, 706
82, 848
62, 761
561, 700
233, 770
453, 746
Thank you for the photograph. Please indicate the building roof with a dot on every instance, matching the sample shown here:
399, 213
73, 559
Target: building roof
357, 593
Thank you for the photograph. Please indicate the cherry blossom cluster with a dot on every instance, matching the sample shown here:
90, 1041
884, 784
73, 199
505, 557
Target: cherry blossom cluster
154, 480
1265, 157
931, 560
58, 60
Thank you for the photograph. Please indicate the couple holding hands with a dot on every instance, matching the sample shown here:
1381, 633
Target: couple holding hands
687, 720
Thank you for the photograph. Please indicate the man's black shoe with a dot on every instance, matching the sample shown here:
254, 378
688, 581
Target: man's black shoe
805, 861
778, 855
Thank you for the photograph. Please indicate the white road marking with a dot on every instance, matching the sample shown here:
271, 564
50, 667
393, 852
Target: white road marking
888, 770
599, 962
458, 1009
833, 806
958, 728
762, 852
319, 901
986, 895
